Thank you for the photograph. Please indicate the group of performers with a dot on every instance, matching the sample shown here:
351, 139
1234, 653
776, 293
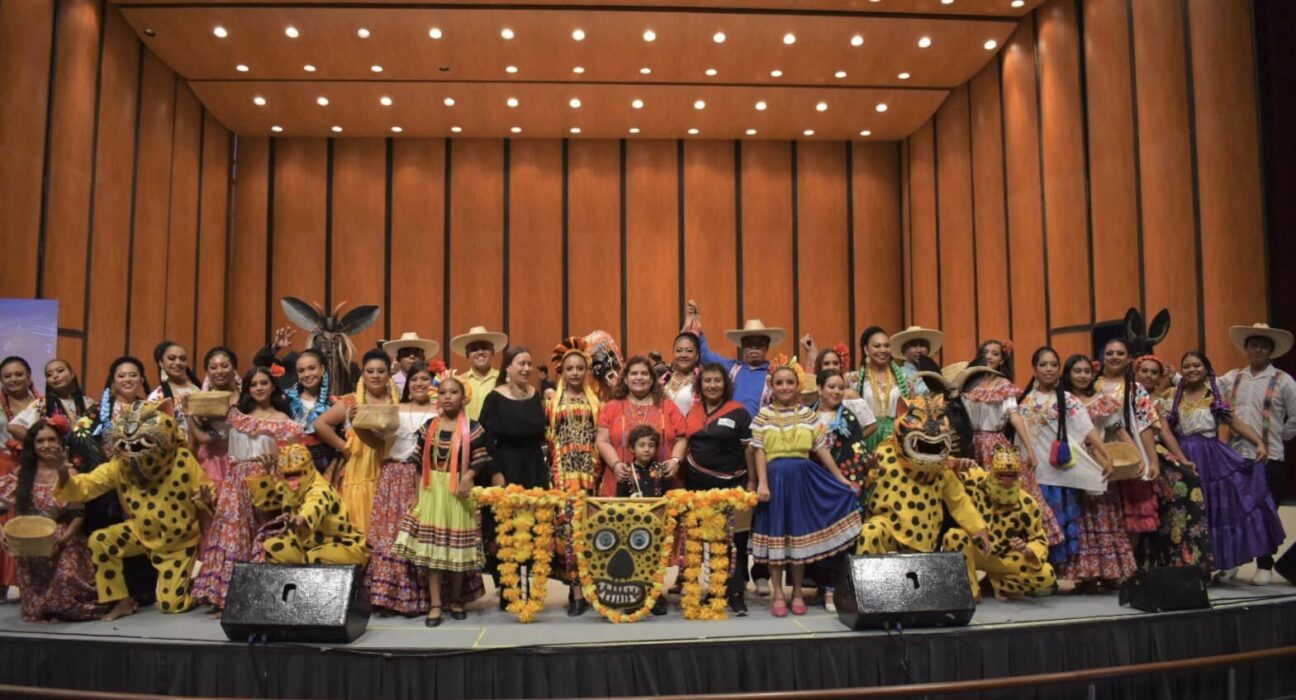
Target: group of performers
1097, 467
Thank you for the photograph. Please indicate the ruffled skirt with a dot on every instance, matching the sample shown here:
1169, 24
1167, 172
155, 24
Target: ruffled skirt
1244, 522
392, 581
810, 515
231, 538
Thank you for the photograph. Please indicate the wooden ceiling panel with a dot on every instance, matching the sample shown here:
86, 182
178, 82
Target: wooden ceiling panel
545, 110
614, 50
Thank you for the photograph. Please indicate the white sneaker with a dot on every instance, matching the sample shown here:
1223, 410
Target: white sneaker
829, 603
1227, 575
1262, 577
762, 587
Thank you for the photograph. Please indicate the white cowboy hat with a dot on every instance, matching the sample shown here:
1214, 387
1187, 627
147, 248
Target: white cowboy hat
754, 326
459, 343
411, 340
933, 337
1282, 340
960, 377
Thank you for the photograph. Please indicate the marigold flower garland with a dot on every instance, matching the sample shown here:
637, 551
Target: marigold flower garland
708, 527
659, 577
525, 533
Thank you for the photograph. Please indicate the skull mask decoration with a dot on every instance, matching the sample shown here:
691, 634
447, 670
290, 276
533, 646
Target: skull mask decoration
144, 436
606, 365
624, 548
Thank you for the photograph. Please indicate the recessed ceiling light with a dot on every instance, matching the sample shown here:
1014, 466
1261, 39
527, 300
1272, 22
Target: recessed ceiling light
385, 101
435, 32
396, 129
866, 132
578, 34
456, 129
578, 70
947, 2
376, 68
699, 104
776, 73
903, 76
634, 129
510, 69
512, 102
789, 38
760, 106
574, 103
718, 37
575, 129
321, 101
924, 42
711, 72
751, 132
839, 74
337, 129
292, 32
881, 107
362, 33
309, 68
649, 35
991, 44
220, 32
506, 33
857, 40
808, 132
637, 104
516, 129
259, 101
449, 101
645, 71
242, 68
276, 128
821, 107
1018, 3
693, 132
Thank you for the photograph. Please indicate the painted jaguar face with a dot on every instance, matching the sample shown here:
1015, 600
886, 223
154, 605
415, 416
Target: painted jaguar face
924, 433
1005, 472
144, 436
624, 548
296, 468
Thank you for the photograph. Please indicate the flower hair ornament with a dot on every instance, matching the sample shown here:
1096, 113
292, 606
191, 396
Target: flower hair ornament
572, 346
843, 351
1138, 363
805, 381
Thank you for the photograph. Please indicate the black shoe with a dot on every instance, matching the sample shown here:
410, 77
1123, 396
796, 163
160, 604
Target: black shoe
738, 604
430, 621
660, 607
459, 614
577, 607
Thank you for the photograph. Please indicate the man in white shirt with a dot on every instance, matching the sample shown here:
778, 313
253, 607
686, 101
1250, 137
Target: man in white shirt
1263, 397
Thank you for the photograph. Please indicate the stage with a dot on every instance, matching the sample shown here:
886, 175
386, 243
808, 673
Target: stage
491, 655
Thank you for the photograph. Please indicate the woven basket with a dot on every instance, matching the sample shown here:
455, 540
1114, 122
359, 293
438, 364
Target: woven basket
1127, 461
30, 536
380, 418
209, 404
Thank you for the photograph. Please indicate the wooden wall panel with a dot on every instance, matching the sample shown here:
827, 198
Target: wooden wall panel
1063, 157
1228, 170
67, 199
906, 234
1113, 187
109, 244
823, 242
1165, 150
476, 236
923, 265
767, 242
535, 246
298, 239
710, 233
249, 284
1025, 218
990, 225
1067, 343
957, 254
418, 239
878, 290
182, 246
652, 246
152, 207
213, 232
25, 38
594, 237
359, 230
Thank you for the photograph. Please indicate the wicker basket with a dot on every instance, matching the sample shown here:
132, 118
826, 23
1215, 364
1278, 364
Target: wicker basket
209, 404
380, 418
30, 536
1127, 461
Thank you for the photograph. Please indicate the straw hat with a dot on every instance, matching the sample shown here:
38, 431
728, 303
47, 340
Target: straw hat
958, 374
933, 337
411, 340
459, 344
754, 326
952, 372
1282, 340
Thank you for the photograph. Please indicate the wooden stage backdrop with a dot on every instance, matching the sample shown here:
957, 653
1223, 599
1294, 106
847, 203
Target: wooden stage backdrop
1109, 157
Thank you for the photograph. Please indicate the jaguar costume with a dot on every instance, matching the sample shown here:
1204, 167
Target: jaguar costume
313, 526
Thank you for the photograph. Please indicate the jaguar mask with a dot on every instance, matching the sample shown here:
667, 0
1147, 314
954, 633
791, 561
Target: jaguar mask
624, 548
924, 433
145, 437
296, 469
1005, 463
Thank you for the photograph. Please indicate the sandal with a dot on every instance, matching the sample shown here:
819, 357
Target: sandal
779, 608
457, 612
798, 606
430, 621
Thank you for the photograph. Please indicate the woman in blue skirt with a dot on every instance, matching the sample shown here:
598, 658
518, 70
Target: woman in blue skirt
807, 511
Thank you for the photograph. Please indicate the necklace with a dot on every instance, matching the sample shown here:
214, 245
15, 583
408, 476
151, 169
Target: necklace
679, 380
519, 393
638, 412
881, 391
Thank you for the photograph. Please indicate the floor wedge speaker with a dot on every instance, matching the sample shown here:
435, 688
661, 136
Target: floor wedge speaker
905, 590
1166, 588
295, 603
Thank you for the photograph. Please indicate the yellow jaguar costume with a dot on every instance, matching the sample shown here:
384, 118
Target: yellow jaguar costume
325, 534
912, 488
1018, 561
158, 482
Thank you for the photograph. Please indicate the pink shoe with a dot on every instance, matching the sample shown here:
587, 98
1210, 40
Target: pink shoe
798, 606
779, 608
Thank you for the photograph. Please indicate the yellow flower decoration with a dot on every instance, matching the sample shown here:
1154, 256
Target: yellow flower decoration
525, 533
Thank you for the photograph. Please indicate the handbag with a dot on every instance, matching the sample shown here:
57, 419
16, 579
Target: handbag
1060, 455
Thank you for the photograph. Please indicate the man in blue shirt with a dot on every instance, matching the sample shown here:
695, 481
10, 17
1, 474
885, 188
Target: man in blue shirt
750, 369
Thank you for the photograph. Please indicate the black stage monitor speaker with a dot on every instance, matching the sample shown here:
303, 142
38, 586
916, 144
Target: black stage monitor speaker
908, 590
1166, 588
1286, 565
287, 603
